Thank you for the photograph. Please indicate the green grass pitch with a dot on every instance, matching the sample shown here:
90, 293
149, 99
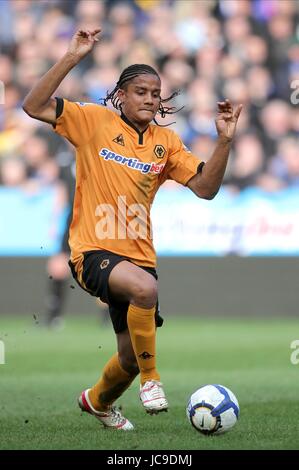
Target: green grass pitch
45, 371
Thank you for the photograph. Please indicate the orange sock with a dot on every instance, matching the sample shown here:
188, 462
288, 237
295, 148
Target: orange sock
142, 328
114, 381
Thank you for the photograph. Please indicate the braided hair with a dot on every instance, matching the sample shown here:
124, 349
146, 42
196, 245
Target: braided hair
130, 73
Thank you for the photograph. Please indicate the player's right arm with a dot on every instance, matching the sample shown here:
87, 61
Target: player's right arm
39, 103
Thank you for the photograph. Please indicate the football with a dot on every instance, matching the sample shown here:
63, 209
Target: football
213, 409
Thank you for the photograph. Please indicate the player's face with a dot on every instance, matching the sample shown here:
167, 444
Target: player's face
141, 99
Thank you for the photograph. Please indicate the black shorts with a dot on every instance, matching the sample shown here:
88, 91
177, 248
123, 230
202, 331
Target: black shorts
97, 266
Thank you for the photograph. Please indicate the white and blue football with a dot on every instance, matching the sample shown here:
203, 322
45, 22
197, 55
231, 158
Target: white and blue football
213, 409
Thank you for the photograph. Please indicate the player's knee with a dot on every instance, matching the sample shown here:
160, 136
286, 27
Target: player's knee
129, 364
145, 294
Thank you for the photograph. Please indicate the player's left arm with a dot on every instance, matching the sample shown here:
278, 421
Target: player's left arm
206, 184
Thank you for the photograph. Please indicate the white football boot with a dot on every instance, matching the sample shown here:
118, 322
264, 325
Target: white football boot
111, 418
152, 397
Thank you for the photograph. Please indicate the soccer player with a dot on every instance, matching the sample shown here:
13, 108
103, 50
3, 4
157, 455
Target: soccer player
121, 162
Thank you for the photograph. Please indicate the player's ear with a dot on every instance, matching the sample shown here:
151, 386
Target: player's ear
121, 95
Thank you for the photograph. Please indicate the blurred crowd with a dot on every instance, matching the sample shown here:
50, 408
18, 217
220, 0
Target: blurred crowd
244, 50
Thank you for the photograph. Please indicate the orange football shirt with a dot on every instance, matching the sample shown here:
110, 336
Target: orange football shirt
118, 172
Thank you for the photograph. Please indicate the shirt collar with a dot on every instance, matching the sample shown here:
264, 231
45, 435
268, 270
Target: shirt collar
129, 123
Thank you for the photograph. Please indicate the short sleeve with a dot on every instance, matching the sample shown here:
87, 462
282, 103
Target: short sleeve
78, 122
181, 165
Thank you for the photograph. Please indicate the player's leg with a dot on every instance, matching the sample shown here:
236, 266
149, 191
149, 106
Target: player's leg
98, 400
121, 369
113, 382
139, 288
117, 376
132, 284
127, 358
58, 272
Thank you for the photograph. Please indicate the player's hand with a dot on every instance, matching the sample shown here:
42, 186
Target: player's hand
83, 42
227, 118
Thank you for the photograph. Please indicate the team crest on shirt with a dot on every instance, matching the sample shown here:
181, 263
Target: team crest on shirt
104, 263
159, 151
119, 140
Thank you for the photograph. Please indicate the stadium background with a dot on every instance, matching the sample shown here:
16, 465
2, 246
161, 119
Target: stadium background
235, 257
244, 244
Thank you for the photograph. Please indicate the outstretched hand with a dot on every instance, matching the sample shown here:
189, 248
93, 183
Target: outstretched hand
227, 118
83, 42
